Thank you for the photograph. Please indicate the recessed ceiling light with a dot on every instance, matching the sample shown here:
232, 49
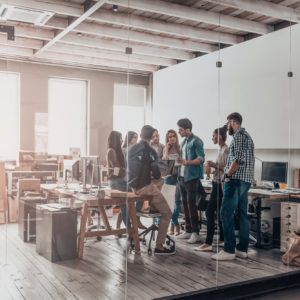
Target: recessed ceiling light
79, 34
115, 7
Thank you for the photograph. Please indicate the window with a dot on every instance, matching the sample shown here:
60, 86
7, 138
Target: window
67, 124
129, 112
9, 115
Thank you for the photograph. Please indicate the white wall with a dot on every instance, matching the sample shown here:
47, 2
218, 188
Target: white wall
253, 81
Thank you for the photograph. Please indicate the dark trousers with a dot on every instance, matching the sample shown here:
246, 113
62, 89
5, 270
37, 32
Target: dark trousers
188, 191
214, 205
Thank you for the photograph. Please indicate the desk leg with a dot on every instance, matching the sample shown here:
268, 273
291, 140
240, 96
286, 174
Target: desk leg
83, 221
258, 223
104, 216
134, 224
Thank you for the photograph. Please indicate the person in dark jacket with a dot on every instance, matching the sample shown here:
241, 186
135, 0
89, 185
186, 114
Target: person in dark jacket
142, 169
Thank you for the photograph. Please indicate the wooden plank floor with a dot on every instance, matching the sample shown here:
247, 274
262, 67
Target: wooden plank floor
108, 271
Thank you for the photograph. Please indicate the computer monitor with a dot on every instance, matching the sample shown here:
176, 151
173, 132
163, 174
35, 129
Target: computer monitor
72, 167
92, 170
274, 171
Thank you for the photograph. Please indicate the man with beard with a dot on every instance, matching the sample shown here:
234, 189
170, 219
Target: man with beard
238, 176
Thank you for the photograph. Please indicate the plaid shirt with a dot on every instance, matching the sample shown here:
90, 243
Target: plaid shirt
241, 150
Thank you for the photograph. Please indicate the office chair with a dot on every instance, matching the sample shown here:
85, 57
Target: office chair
154, 227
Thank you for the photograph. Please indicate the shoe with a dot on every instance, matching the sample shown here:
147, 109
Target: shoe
204, 248
195, 238
165, 251
172, 229
241, 254
184, 236
219, 244
177, 230
223, 255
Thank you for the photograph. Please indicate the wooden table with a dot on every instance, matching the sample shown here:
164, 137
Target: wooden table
93, 202
90, 201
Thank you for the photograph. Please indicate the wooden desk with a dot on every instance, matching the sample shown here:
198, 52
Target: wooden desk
258, 195
90, 201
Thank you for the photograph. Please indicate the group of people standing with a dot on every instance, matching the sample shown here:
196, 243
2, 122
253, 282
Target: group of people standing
146, 165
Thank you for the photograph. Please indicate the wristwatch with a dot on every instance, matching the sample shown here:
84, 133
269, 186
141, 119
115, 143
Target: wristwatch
226, 177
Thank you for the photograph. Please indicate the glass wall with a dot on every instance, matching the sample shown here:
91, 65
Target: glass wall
200, 198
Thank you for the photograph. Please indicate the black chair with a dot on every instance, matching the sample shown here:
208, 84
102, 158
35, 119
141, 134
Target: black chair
151, 230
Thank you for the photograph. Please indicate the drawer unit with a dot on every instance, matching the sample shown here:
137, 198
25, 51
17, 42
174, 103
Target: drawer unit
290, 222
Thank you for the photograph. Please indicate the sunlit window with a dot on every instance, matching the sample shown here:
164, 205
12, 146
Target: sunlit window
67, 123
129, 108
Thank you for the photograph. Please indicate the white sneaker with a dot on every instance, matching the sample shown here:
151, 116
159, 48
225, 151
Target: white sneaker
184, 236
241, 254
204, 248
222, 255
195, 238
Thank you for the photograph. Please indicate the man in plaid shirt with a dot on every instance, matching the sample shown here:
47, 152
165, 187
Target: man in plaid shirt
238, 176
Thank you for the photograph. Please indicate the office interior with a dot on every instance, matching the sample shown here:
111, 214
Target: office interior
73, 71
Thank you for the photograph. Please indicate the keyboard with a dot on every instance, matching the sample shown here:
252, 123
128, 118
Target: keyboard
287, 191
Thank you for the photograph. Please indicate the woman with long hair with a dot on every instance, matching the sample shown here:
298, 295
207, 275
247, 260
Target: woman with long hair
219, 137
115, 159
117, 172
130, 140
171, 153
116, 167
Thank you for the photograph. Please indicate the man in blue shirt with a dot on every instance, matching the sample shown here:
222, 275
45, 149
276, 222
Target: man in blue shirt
191, 170
238, 176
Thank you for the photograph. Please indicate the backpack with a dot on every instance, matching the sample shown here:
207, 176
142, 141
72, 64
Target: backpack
292, 254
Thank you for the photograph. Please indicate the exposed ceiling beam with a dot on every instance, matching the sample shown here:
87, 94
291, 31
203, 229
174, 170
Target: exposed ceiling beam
92, 52
29, 37
56, 6
69, 28
198, 15
114, 45
54, 57
79, 59
31, 32
265, 8
164, 27
21, 42
125, 34
15, 51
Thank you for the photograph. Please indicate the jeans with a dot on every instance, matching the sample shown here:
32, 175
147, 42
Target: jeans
188, 191
214, 205
235, 200
172, 181
121, 185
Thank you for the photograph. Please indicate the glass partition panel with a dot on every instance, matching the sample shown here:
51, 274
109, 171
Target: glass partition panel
9, 103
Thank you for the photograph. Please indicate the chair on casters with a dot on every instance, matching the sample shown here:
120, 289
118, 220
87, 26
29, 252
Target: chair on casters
154, 215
